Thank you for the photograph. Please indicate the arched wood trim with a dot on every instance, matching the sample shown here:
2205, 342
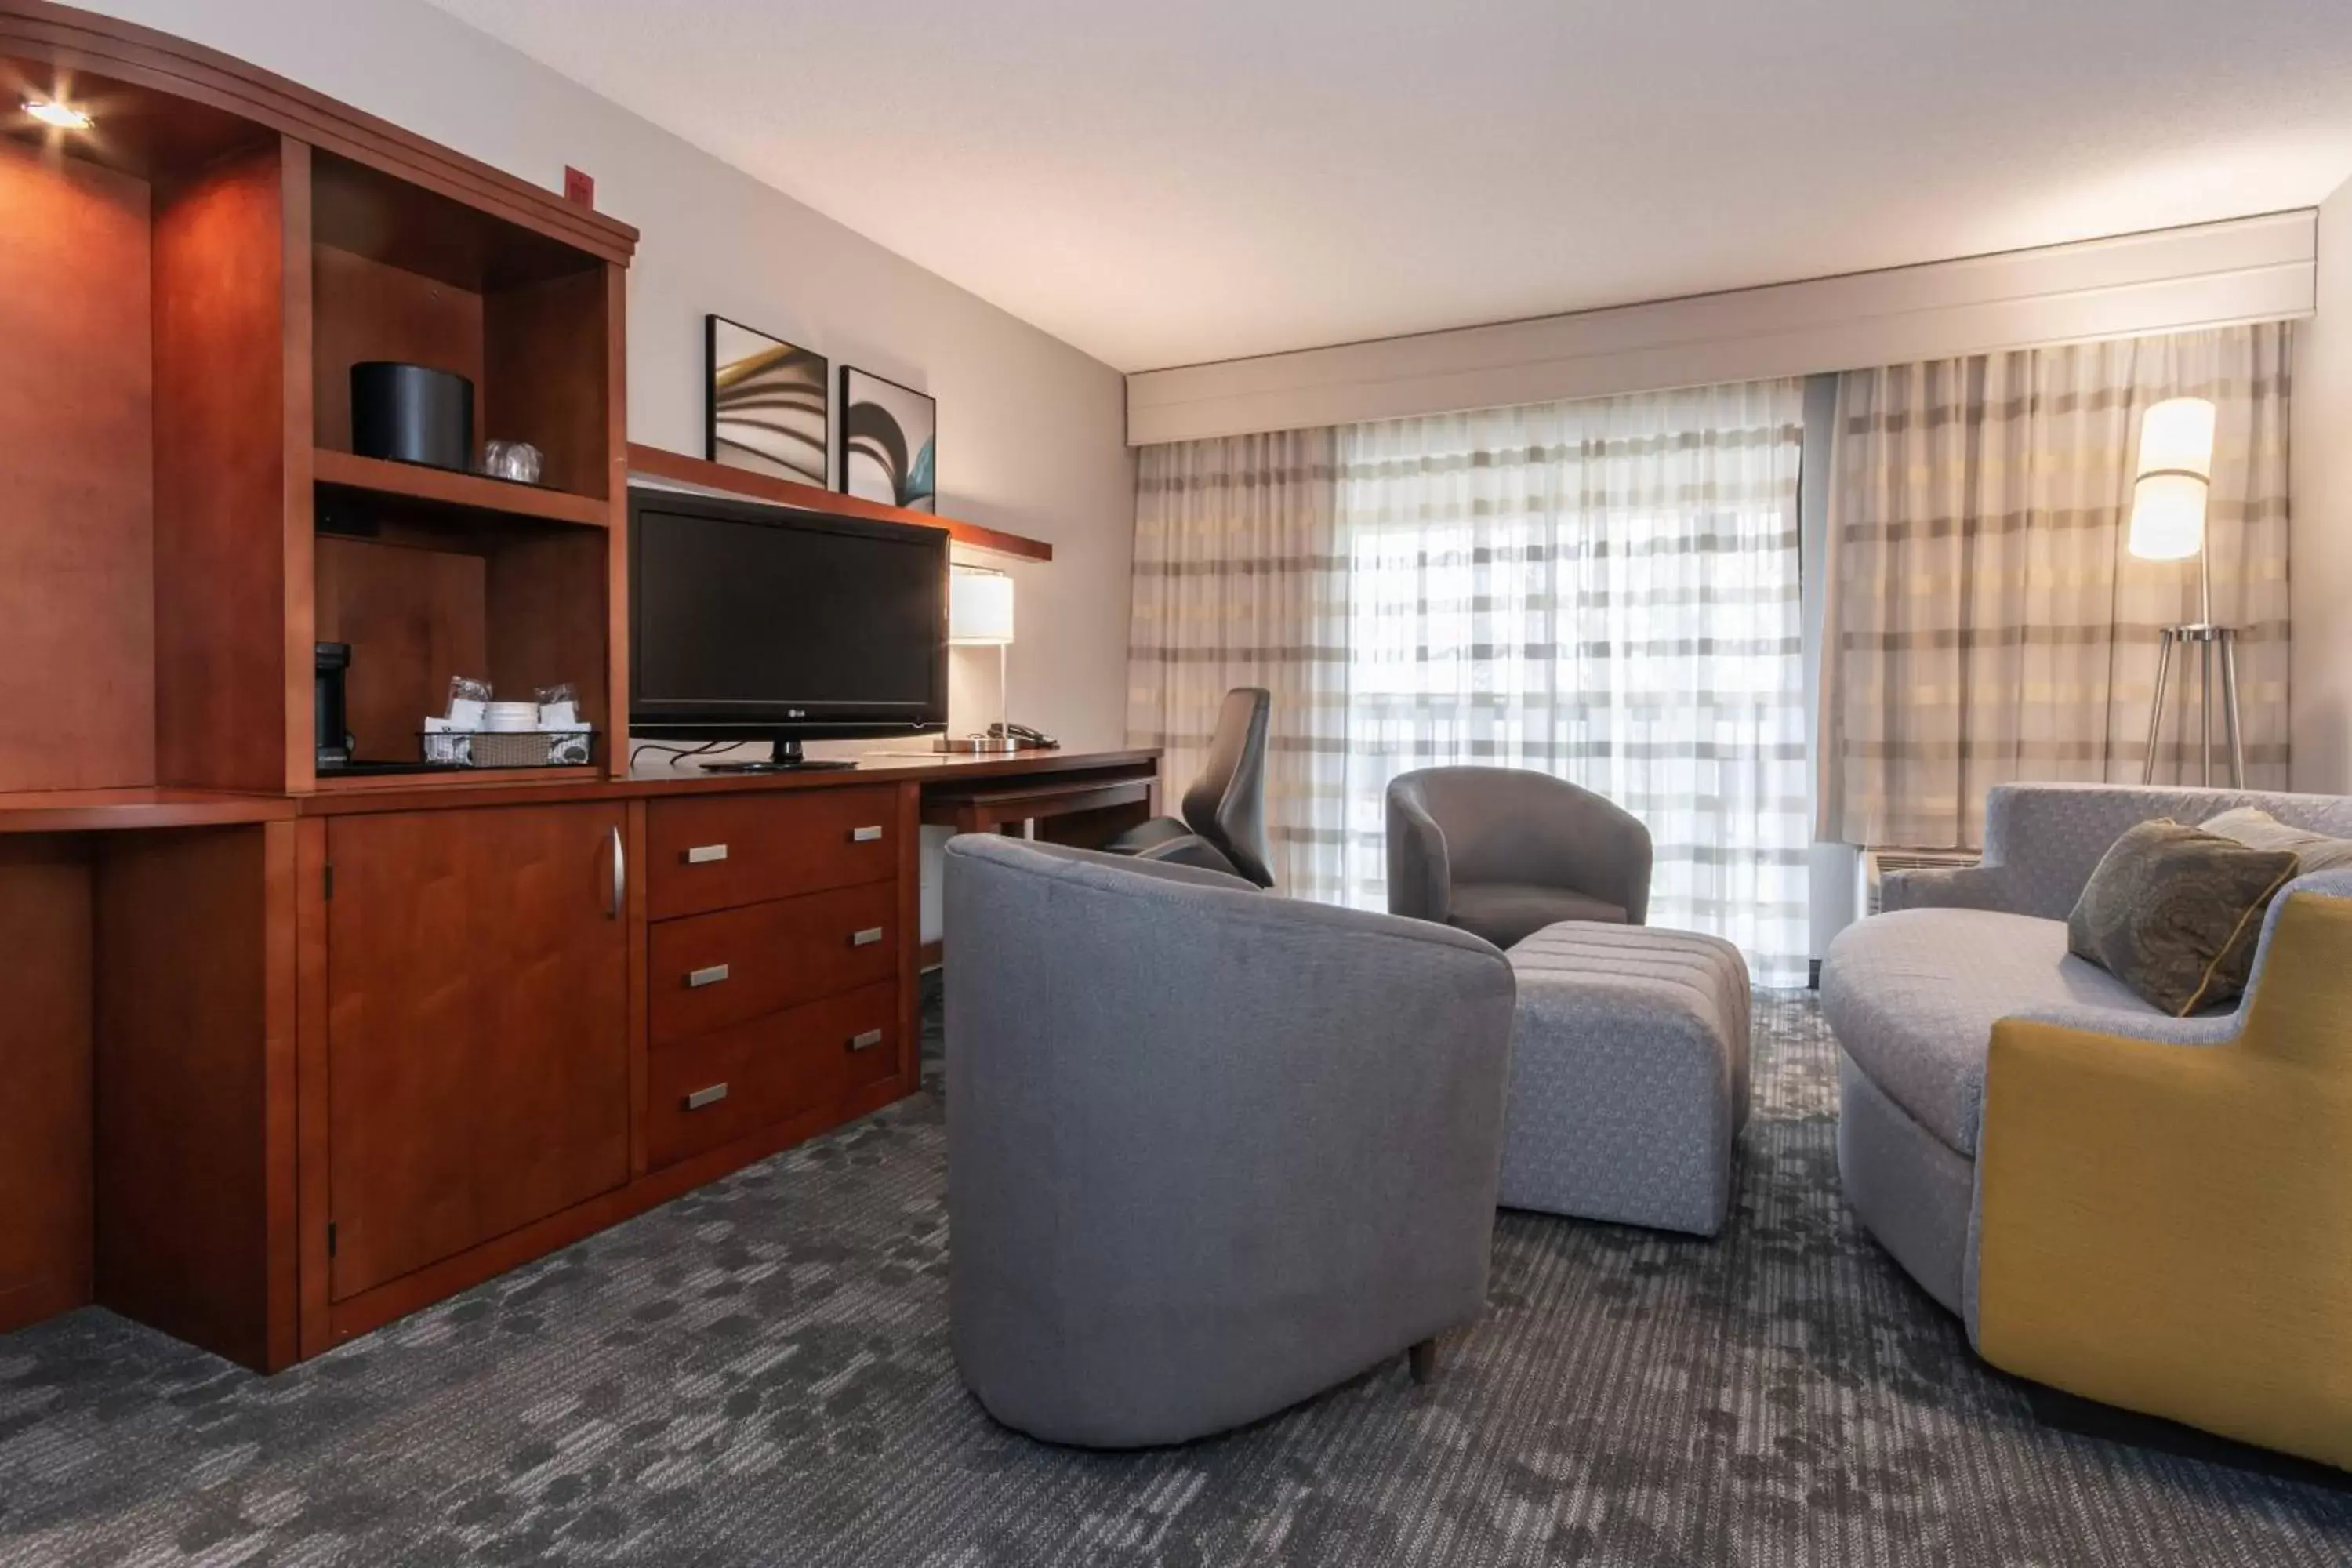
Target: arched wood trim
39, 32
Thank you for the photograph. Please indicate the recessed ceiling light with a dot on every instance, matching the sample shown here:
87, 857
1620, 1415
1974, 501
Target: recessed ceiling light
64, 117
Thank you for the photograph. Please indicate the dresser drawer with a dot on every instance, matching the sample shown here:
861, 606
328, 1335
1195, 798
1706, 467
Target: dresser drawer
707, 971
727, 1085
716, 852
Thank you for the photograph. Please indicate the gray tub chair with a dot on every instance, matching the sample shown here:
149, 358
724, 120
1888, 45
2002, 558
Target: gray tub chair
1504, 852
1210, 1151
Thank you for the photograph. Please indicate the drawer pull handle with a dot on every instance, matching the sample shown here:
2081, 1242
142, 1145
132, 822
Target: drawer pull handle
704, 854
865, 835
866, 938
711, 975
866, 1041
702, 1097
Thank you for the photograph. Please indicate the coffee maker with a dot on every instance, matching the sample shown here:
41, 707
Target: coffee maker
330, 721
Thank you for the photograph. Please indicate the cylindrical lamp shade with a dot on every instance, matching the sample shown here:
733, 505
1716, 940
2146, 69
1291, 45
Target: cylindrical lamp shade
2168, 520
980, 607
2176, 437
2175, 462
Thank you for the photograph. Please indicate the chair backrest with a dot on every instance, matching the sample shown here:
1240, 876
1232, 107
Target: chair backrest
2051, 836
1518, 825
1226, 804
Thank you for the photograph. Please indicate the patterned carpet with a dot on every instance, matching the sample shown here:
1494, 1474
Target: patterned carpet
759, 1373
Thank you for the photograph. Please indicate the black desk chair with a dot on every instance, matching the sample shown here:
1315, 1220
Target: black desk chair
1224, 824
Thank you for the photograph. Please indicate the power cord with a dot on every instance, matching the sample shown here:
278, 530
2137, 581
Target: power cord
644, 746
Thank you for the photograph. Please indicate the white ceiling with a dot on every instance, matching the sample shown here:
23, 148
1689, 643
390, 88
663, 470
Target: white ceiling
1192, 180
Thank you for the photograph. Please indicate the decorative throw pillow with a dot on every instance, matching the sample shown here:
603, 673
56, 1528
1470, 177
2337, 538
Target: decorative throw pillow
2174, 912
2258, 829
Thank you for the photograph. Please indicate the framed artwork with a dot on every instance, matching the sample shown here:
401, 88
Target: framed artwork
889, 442
765, 408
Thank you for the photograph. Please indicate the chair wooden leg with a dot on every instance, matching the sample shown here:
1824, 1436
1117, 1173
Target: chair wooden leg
1424, 1360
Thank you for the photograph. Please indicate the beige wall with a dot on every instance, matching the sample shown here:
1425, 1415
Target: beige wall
1031, 433
2322, 488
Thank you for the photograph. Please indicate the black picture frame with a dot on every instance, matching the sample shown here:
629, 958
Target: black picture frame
772, 451
914, 483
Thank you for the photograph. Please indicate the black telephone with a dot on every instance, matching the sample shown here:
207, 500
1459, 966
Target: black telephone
1022, 735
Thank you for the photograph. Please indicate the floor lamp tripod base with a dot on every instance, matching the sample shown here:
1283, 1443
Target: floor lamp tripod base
2215, 645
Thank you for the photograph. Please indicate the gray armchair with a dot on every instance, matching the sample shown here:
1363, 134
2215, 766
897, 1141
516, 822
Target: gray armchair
1208, 1152
1503, 853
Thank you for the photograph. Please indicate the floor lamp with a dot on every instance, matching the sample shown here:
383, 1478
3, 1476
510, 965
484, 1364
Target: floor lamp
980, 615
2168, 523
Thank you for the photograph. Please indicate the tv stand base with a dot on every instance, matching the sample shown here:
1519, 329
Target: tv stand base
787, 759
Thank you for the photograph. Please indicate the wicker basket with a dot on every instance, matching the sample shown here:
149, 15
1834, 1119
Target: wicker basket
510, 748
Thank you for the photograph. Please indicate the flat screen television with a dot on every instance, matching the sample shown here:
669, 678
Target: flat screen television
761, 623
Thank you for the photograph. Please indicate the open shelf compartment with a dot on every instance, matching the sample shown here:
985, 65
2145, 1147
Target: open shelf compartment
401, 273
419, 599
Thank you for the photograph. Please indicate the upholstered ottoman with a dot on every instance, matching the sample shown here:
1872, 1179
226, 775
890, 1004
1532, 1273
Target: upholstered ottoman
1629, 1076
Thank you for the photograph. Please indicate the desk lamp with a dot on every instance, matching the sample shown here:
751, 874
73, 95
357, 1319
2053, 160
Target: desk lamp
980, 615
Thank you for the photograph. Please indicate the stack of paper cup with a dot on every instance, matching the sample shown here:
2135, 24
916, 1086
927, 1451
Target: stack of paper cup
510, 718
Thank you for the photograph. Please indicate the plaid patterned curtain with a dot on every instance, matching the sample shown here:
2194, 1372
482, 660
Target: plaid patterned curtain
1238, 581
1986, 620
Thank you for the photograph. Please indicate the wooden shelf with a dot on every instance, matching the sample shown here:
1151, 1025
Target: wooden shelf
653, 462
94, 810
448, 778
473, 492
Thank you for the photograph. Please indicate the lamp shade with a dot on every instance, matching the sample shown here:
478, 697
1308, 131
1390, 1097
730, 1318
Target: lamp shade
2175, 471
980, 607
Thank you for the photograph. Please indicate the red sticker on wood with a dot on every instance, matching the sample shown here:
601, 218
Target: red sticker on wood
578, 187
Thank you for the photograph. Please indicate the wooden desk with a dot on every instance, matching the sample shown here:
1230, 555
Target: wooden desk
968, 809
1086, 800
286, 1107
1087, 806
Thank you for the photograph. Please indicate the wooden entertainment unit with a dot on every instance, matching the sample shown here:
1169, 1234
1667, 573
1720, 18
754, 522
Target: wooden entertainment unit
289, 1056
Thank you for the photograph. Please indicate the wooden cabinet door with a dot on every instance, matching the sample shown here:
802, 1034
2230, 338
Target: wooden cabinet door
477, 1026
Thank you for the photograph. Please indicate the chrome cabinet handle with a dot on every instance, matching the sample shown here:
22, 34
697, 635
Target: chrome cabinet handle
704, 854
709, 975
702, 1097
865, 835
620, 878
866, 938
866, 1041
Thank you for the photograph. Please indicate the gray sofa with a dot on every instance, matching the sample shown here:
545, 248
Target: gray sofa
1912, 994
1210, 1151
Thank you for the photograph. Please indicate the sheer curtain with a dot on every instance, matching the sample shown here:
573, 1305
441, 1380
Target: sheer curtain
1604, 589
1986, 620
